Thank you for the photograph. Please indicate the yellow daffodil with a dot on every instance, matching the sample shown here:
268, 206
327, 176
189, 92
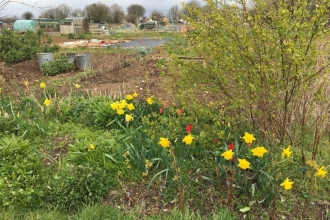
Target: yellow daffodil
188, 139
164, 142
243, 164
42, 85
144, 174
259, 151
149, 101
228, 155
77, 85
26, 83
287, 184
248, 138
114, 105
130, 106
91, 147
47, 102
120, 111
135, 95
129, 118
129, 97
122, 104
286, 152
321, 172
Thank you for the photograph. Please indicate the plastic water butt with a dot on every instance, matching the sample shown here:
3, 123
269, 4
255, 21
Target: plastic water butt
84, 61
44, 58
71, 57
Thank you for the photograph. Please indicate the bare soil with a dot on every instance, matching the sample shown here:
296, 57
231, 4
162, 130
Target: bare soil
111, 74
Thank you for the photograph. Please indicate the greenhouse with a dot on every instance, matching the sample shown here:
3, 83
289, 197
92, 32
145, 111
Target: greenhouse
25, 25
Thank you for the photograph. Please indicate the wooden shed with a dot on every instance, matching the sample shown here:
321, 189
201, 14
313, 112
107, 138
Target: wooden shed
74, 25
49, 25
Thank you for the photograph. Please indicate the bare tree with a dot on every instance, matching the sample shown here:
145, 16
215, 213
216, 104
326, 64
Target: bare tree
77, 13
4, 3
27, 15
136, 9
117, 14
97, 12
173, 14
156, 15
63, 11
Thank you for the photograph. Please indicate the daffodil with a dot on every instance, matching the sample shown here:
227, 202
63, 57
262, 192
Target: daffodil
120, 111
129, 118
188, 139
164, 142
91, 147
129, 97
259, 151
42, 85
114, 105
243, 164
77, 85
248, 138
149, 101
287, 184
122, 104
135, 95
321, 172
47, 102
286, 152
228, 155
130, 106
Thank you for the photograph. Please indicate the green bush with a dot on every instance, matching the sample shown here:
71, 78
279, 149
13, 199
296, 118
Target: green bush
60, 65
16, 48
22, 174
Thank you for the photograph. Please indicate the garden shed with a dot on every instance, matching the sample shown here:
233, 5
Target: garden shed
78, 25
25, 25
49, 25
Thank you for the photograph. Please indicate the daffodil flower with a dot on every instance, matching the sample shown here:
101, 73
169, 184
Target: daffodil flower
164, 142
287, 184
259, 151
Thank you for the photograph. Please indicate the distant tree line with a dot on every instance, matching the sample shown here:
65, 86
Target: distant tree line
100, 12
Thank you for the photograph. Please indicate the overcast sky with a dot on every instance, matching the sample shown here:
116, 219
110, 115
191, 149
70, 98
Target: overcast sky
18, 9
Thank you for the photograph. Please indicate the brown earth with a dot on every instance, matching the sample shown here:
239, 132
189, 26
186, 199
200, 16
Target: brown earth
112, 74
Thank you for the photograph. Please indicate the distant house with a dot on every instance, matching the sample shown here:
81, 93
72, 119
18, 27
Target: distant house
49, 25
74, 25
25, 25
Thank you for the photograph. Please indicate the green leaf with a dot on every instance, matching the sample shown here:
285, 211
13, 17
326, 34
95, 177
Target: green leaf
245, 209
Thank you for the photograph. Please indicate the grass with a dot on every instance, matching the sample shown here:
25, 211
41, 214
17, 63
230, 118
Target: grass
101, 212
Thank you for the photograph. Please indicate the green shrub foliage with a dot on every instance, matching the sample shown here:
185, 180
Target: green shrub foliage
266, 64
16, 47
21, 174
60, 65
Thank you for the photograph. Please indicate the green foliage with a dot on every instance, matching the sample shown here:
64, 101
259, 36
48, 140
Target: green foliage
265, 66
78, 185
15, 47
23, 177
60, 65
71, 36
142, 51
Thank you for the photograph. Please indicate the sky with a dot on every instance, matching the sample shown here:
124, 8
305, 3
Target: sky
17, 9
